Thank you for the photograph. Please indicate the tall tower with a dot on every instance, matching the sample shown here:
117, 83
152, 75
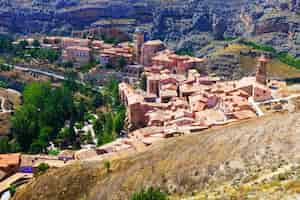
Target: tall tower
139, 37
261, 72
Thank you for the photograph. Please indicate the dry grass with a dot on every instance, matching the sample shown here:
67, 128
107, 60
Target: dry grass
180, 165
275, 67
11, 99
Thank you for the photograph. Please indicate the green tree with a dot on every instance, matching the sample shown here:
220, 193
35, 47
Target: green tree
41, 168
38, 146
67, 64
122, 62
42, 115
149, 194
25, 126
4, 145
23, 44
36, 43
97, 100
82, 109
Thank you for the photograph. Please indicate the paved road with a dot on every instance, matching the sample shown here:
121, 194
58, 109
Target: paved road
279, 99
256, 107
46, 73
4, 185
51, 74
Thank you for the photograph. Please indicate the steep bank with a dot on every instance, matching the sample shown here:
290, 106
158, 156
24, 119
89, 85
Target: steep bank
181, 166
180, 23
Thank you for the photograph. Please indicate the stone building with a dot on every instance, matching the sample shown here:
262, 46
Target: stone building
261, 72
149, 49
69, 41
78, 55
139, 38
176, 63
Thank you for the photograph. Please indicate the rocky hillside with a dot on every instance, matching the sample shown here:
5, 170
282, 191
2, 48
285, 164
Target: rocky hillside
193, 165
184, 24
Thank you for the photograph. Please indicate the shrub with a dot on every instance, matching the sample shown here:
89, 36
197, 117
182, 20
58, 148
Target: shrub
42, 168
261, 47
12, 189
53, 152
289, 59
149, 194
107, 166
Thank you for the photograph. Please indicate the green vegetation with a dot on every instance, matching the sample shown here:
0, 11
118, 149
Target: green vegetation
289, 60
36, 43
38, 53
283, 57
149, 194
229, 39
3, 84
21, 50
41, 169
261, 47
53, 152
5, 67
122, 62
67, 64
42, 116
109, 124
107, 166
186, 52
108, 39
6, 146
12, 189
92, 64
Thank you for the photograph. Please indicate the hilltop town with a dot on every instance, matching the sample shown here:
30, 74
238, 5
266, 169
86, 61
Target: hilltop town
149, 99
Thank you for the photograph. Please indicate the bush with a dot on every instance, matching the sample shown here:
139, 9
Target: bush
53, 152
42, 168
12, 189
283, 57
289, 59
107, 166
261, 47
149, 194
67, 64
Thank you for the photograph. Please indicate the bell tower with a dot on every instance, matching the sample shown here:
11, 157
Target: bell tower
139, 38
261, 71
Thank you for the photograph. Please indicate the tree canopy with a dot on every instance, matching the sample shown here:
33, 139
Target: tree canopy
42, 115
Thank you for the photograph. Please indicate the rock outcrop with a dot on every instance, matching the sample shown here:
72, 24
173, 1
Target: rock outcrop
273, 22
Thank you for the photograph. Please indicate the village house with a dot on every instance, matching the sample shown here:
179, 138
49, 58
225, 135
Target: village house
9, 164
177, 64
109, 54
149, 49
204, 101
70, 41
77, 54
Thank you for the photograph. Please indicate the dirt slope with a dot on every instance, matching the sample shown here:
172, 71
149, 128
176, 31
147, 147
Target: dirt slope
181, 166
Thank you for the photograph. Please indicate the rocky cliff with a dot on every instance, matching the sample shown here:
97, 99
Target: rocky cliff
180, 23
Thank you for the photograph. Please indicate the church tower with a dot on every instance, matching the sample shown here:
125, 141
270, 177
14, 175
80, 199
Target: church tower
261, 72
139, 38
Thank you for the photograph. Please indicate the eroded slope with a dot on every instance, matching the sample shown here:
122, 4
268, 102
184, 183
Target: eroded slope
180, 166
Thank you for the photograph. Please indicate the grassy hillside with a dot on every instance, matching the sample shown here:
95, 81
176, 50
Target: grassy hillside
181, 166
276, 68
